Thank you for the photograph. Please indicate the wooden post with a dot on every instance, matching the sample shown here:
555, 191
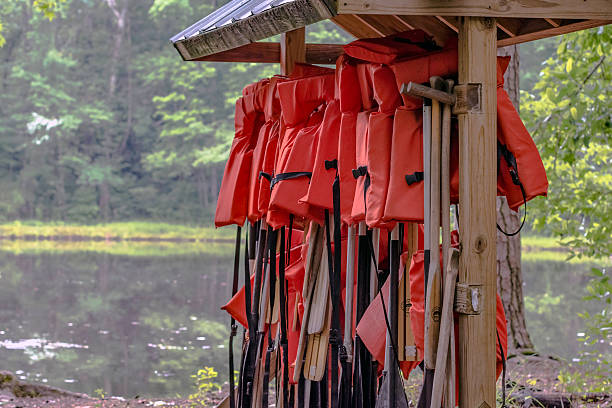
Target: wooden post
477, 190
293, 49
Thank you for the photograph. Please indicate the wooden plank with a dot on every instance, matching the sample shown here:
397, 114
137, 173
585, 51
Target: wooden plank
432, 26
576, 9
292, 49
510, 26
477, 189
276, 20
450, 21
529, 32
354, 26
386, 24
269, 52
377, 30
553, 22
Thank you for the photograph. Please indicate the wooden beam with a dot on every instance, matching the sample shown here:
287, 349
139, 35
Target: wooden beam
269, 52
529, 33
354, 26
576, 9
292, 49
276, 20
477, 189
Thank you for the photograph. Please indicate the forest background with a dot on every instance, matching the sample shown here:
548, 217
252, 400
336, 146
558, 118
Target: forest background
101, 121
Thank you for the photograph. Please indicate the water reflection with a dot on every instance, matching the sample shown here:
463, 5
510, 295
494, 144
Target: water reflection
130, 325
553, 291
84, 320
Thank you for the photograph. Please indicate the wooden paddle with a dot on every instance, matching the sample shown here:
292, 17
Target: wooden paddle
312, 266
406, 343
446, 328
449, 389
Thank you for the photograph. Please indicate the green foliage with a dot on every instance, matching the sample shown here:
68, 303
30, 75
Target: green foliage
569, 113
595, 356
570, 116
204, 384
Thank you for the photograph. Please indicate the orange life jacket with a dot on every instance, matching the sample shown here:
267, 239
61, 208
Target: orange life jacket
519, 162
350, 104
319, 192
256, 165
232, 204
303, 104
385, 50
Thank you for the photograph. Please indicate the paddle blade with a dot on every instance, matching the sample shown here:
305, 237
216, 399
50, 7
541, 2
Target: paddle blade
382, 401
425, 397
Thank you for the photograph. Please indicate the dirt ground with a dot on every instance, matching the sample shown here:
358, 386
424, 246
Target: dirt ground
525, 374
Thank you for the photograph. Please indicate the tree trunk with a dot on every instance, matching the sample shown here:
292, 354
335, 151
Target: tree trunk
120, 13
509, 274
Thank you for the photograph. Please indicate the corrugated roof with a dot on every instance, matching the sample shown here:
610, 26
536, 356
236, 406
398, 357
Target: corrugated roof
247, 21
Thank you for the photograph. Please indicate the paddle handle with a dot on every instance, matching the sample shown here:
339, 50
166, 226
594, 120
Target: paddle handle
350, 279
432, 315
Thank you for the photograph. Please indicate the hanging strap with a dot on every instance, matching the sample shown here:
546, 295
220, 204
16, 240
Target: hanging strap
283, 319
360, 172
272, 289
503, 151
233, 327
288, 176
265, 175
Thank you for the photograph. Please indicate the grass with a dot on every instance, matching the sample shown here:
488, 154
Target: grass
119, 248
538, 248
115, 230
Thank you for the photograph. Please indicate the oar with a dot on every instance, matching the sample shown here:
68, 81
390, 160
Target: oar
427, 380
346, 352
445, 330
313, 263
409, 345
449, 364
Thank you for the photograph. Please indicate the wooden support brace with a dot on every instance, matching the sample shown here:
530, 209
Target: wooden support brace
293, 49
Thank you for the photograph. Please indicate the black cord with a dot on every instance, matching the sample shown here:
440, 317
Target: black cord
511, 234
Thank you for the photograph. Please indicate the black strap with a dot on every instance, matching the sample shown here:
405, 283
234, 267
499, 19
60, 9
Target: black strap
288, 176
272, 291
362, 376
265, 175
233, 327
360, 171
501, 350
503, 151
415, 177
331, 164
283, 319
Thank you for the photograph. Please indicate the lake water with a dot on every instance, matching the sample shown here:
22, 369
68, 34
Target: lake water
142, 321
